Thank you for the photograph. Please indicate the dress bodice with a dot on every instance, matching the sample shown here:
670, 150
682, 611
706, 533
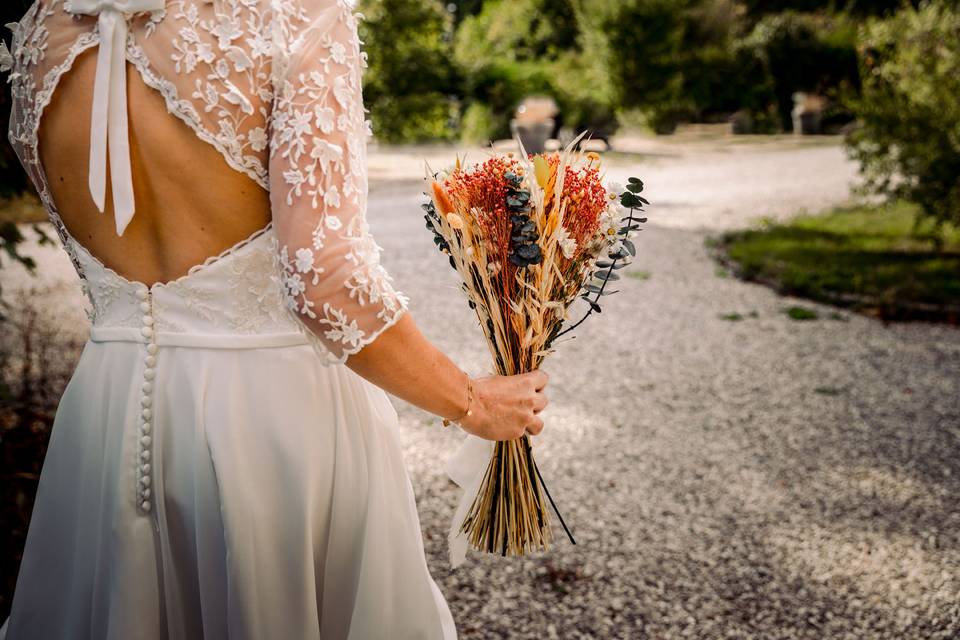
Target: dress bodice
234, 294
275, 87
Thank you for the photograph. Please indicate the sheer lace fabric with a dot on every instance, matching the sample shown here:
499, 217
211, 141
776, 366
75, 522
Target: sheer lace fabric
275, 87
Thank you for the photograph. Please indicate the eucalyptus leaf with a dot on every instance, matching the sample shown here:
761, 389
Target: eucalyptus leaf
629, 200
629, 246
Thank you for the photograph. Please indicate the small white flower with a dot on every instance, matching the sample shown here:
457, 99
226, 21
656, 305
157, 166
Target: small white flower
338, 53
304, 261
326, 152
342, 92
295, 285
568, 246
609, 224
234, 95
614, 188
325, 119
331, 197
258, 139
241, 61
227, 30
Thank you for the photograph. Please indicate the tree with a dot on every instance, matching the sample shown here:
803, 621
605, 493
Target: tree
908, 141
675, 59
805, 52
857, 7
462, 9
410, 79
515, 48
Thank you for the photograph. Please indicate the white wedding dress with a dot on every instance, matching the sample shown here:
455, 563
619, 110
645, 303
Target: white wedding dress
214, 470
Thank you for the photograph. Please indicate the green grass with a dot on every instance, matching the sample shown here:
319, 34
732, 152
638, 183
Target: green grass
800, 313
869, 258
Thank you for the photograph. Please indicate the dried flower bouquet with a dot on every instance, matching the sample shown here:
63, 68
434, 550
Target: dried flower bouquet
528, 236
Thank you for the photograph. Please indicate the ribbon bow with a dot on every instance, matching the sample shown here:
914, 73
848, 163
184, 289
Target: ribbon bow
109, 125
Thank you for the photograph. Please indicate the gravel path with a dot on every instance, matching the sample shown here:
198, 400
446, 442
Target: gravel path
760, 478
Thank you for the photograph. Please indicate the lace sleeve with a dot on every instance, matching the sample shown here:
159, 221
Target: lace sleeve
328, 262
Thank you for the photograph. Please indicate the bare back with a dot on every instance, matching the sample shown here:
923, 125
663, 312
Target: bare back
162, 133
190, 203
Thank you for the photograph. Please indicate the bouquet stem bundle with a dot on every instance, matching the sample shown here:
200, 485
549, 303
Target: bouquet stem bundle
527, 236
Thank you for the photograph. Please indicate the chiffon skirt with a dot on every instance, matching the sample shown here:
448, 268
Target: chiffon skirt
282, 508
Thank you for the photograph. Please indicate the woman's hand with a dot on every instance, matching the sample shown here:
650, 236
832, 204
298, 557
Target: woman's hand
403, 362
504, 407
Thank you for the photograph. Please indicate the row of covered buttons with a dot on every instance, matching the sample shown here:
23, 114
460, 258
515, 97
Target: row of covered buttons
145, 436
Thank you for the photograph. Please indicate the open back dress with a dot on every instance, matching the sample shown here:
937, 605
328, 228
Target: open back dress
214, 469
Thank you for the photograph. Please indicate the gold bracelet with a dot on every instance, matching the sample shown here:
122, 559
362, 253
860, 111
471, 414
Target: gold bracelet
469, 411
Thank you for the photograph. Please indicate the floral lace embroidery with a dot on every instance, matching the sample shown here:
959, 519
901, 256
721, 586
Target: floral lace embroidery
226, 69
330, 177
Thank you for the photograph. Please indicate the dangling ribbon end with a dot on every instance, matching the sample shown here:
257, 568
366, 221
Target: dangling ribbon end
123, 218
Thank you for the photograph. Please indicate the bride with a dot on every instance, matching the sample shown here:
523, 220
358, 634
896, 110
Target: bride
225, 462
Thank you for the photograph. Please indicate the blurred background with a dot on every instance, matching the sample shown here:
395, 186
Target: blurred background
759, 438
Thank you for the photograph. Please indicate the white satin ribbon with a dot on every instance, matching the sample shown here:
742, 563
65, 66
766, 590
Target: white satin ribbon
109, 126
466, 467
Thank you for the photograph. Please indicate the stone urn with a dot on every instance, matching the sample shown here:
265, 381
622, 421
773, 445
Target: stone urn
807, 113
534, 123
533, 135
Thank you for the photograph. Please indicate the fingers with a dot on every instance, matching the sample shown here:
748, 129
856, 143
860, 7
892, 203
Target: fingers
539, 402
535, 426
538, 378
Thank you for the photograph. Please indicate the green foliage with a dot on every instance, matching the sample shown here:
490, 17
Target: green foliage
516, 31
410, 78
908, 144
516, 48
501, 85
800, 313
856, 7
645, 51
479, 124
464, 8
804, 52
870, 258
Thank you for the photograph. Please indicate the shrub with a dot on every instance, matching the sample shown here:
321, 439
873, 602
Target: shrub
804, 52
501, 85
908, 141
410, 77
479, 124
516, 48
685, 60
644, 51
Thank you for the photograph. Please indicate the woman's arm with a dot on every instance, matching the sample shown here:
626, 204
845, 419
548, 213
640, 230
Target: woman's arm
329, 263
403, 362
